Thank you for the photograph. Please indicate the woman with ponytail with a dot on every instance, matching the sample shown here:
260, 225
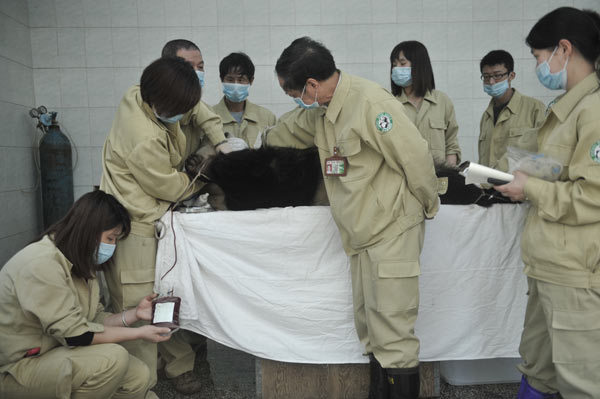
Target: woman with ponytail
560, 243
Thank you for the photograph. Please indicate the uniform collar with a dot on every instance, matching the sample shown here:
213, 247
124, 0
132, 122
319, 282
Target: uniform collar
250, 112
147, 109
339, 96
429, 96
514, 104
46, 241
566, 102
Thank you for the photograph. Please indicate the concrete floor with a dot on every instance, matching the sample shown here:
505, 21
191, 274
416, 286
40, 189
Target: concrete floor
230, 374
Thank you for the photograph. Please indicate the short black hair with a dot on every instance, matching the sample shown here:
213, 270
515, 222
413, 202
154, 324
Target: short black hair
172, 47
421, 70
237, 63
78, 234
498, 57
171, 86
304, 58
580, 27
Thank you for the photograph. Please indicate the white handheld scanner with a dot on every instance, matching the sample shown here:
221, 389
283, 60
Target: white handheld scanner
475, 173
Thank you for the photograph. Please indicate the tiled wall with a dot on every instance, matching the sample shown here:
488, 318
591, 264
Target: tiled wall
19, 198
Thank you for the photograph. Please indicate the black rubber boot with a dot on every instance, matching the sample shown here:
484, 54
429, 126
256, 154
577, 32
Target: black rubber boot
403, 383
378, 387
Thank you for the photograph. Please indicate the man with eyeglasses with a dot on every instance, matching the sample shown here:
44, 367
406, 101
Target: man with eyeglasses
511, 119
241, 118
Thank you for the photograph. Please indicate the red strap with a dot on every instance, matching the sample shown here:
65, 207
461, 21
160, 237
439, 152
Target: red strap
33, 352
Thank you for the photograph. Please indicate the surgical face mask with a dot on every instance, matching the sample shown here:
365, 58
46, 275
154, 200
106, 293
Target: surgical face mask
402, 76
172, 119
552, 81
200, 75
235, 92
497, 89
301, 103
105, 252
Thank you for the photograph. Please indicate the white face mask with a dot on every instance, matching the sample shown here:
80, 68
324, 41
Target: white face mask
552, 81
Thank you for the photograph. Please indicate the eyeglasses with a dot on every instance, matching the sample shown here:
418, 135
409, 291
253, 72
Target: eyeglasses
496, 76
241, 79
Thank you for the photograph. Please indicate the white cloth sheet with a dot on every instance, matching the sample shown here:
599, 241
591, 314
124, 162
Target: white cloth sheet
276, 283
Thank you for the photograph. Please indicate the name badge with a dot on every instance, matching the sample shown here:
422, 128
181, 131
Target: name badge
336, 165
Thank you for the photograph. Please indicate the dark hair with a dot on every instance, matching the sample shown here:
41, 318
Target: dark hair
77, 235
498, 57
303, 59
421, 71
580, 27
172, 47
236, 63
171, 86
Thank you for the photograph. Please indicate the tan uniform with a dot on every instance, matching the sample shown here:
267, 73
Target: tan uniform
194, 134
436, 121
254, 121
141, 161
561, 251
41, 304
516, 126
389, 189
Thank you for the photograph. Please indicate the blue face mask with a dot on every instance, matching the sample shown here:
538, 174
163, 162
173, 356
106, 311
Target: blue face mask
497, 89
172, 119
200, 75
301, 103
235, 92
105, 252
402, 76
552, 81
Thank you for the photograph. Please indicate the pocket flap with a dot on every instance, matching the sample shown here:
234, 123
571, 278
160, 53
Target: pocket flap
576, 321
437, 124
349, 147
137, 276
405, 268
520, 131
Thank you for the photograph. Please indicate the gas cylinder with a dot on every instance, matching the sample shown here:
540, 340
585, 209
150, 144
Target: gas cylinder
56, 172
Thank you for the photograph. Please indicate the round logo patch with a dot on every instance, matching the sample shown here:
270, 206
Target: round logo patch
595, 151
384, 122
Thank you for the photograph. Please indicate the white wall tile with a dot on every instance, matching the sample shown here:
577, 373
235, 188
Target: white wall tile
17, 128
123, 13
381, 74
460, 10
231, 39
184, 32
261, 88
100, 123
16, 82
535, 9
512, 39
383, 12
15, 41
308, 12
460, 82
82, 163
256, 44
75, 123
435, 10
335, 39
21, 175
96, 13
152, 40
47, 87
71, 47
96, 160
460, 41
384, 38
44, 47
230, 13
440, 72
42, 13
126, 47
409, 11
78, 191
13, 243
98, 47
510, 10
100, 87
358, 12
151, 13
22, 216
256, 12
333, 12
178, 13
204, 12
587, 4
15, 9
280, 13
410, 31
435, 39
485, 38
485, 10
205, 39
73, 87
281, 37
360, 44
69, 13
312, 31
463, 109
123, 79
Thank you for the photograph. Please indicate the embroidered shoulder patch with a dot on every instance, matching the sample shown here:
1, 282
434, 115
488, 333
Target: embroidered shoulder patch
384, 122
595, 151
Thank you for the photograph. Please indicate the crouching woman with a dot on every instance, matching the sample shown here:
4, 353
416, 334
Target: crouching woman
55, 338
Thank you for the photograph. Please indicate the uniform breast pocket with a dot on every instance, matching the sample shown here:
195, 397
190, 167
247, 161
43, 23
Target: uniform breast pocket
523, 137
358, 161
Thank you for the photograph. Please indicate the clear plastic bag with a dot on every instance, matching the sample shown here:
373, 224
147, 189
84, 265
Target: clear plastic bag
534, 164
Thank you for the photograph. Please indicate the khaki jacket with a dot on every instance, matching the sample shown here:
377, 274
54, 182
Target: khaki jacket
437, 123
254, 121
200, 125
42, 303
390, 184
561, 240
142, 156
517, 126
